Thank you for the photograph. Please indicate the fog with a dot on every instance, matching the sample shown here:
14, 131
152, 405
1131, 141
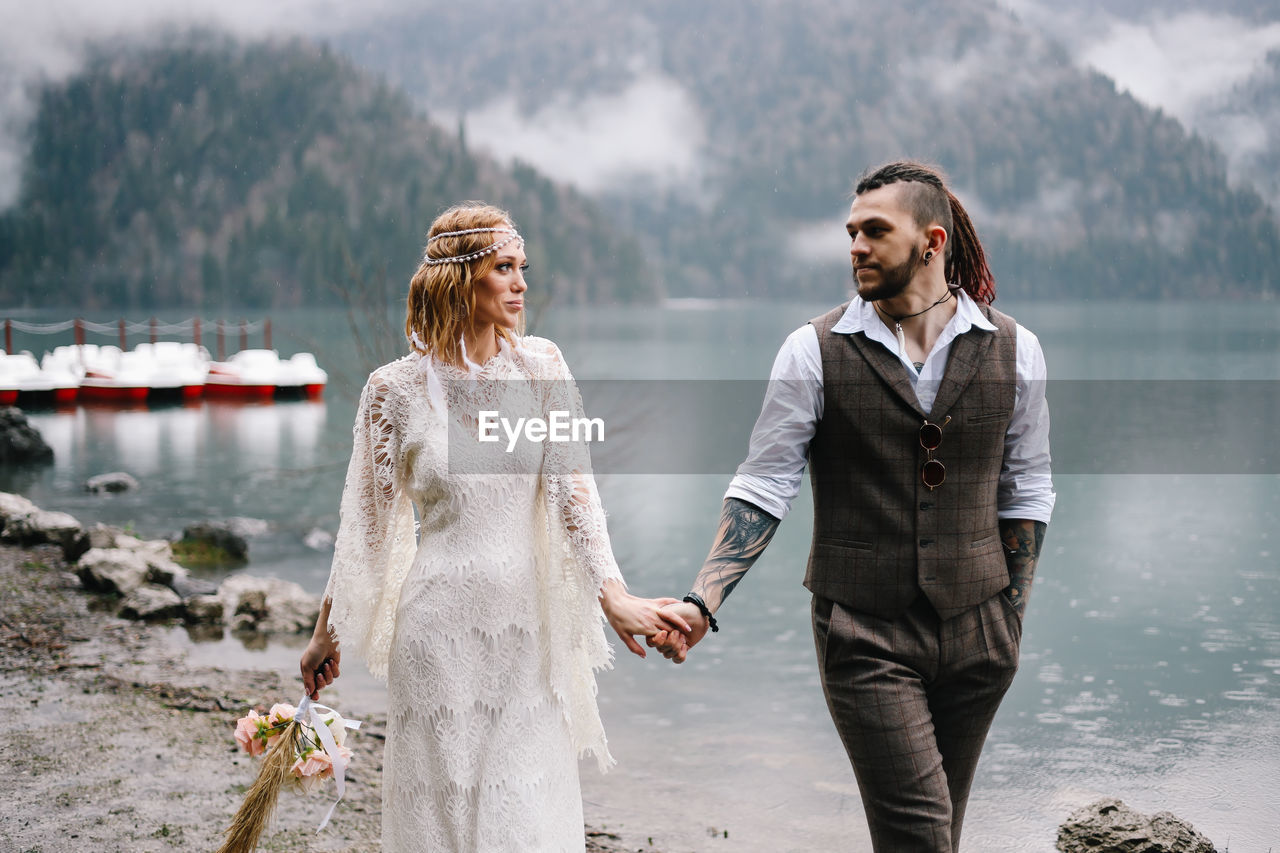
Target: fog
651, 131
1186, 63
1178, 63
820, 242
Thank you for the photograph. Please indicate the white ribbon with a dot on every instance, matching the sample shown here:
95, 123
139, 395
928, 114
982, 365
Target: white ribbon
471, 366
308, 709
435, 391
426, 361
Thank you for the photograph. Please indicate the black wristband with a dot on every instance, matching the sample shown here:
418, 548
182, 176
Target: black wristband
696, 600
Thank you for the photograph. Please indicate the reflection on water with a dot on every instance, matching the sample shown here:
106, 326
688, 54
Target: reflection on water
1151, 655
204, 460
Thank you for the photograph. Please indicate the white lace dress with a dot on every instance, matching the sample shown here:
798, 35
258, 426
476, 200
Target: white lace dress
486, 623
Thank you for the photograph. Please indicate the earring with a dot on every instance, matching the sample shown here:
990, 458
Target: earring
928, 256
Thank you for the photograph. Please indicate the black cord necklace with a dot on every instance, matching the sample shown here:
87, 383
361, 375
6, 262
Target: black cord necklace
897, 321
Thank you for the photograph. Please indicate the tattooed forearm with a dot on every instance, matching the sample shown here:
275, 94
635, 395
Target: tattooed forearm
744, 531
1023, 540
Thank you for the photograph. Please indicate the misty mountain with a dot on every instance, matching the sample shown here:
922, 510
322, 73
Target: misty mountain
1077, 189
1248, 117
1212, 64
217, 175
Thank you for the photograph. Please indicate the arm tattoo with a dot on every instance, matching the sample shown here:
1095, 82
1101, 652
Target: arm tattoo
744, 531
1023, 540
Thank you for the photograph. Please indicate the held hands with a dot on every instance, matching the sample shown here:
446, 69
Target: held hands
630, 615
675, 645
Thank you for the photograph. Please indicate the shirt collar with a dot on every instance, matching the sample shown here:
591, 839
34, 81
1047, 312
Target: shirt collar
861, 316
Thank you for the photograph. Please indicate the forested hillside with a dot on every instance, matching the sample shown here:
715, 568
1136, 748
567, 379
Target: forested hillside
211, 174
214, 174
1078, 190
1214, 64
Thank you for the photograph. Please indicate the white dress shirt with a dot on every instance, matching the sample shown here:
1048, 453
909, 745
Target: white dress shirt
771, 476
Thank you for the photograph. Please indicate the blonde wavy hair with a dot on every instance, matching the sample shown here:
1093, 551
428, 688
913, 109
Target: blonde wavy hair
442, 297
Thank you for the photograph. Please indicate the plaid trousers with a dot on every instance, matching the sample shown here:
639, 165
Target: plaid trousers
912, 699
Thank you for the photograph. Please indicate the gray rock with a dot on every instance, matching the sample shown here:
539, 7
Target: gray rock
115, 570
97, 536
14, 506
216, 539
166, 573
152, 549
20, 442
204, 610
119, 563
1110, 826
269, 605
162, 568
116, 481
151, 601
40, 527
189, 587
251, 609
14, 511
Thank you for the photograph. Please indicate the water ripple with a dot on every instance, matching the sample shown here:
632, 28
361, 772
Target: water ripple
1248, 695
1051, 673
1088, 725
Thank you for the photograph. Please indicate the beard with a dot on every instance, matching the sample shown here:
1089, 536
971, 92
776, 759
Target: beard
892, 282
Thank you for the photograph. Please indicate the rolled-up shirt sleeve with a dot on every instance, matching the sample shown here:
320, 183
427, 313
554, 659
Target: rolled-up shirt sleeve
1026, 484
771, 476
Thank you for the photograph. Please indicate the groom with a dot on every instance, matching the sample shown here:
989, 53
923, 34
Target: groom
921, 414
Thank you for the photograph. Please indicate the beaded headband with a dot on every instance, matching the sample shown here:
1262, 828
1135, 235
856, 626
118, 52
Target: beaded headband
511, 233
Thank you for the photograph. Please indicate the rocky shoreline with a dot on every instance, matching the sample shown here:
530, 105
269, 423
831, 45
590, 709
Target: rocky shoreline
112, 741
149, 581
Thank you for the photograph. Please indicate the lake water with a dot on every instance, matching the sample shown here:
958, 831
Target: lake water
1151, 653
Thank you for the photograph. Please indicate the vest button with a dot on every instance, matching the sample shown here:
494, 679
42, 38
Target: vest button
925, 543
926, 504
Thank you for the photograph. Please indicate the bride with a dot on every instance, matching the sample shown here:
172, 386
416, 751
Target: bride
485, 621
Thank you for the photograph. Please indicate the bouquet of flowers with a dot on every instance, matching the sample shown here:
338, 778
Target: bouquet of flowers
302, 747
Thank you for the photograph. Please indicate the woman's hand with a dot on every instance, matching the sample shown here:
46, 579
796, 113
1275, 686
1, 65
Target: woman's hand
319, 665
319, 662
675, 645
630, 615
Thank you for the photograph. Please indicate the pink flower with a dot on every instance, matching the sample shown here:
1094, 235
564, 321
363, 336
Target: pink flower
281, 712
315, 762
247, 728
312, 768
306, 784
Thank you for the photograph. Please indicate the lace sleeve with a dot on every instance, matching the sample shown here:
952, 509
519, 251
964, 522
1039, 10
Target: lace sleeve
376, 542
573, 500
578, 562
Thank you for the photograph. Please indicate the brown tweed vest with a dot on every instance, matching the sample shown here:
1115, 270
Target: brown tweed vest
880, 536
